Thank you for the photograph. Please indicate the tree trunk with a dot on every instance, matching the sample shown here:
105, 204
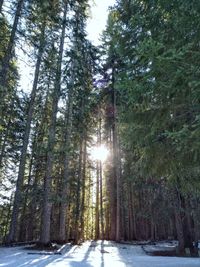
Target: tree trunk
171, 229
188, 229
32, 208
180, 234
112, 204
101, 201
20, 179
97, 204
33, 221
179, 224
196, 218
24, 222
131, 216
67, 138
77, 213
118, 211
116, 162
23, 218
101, 182
83, 192
47, 204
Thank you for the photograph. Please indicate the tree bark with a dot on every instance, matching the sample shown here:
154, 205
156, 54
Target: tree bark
20, 178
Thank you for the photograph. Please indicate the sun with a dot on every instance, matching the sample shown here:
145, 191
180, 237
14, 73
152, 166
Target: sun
99, 153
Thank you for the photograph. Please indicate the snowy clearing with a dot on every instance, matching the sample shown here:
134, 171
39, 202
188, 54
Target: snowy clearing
93, 254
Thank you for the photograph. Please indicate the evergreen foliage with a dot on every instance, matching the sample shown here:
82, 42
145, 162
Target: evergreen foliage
138, 93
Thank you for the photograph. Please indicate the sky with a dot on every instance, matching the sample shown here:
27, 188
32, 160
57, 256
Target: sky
97, 23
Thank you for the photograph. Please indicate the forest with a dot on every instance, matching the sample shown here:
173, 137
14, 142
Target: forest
106, 145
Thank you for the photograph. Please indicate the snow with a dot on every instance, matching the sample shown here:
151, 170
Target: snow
161, 246
92, 254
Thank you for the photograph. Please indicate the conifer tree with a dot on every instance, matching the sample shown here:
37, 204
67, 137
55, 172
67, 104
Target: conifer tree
46, 213
9, 53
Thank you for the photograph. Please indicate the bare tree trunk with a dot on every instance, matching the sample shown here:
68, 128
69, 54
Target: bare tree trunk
47, 204
97, 204
20, 179
188, 228
77, 214
131, 217
125, 226
179, 229
101, 201
152, 228
118, 215
9, 51
83, 191
196, 219
179, 224
88, 230
135, 226
132, 213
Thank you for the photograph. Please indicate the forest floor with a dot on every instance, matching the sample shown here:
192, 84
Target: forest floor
91, 254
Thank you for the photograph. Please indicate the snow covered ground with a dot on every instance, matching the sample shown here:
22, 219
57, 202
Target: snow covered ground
92, 254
